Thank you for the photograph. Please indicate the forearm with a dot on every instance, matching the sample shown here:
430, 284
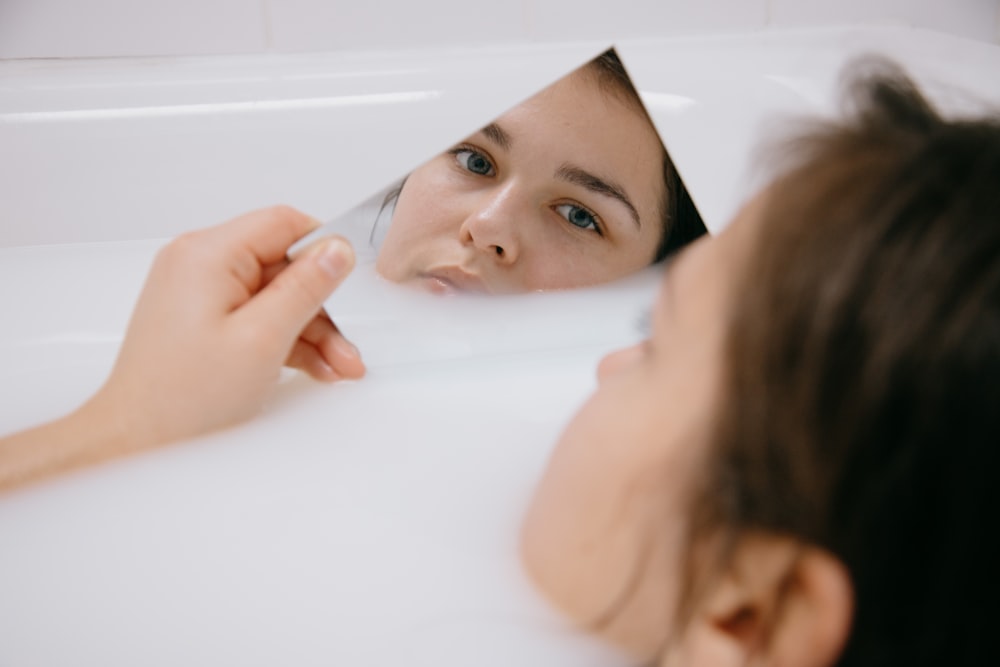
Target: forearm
87, 436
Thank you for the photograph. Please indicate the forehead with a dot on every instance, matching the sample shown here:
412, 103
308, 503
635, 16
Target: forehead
587, 124
582, 102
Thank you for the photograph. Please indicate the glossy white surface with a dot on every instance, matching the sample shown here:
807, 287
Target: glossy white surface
149, 148
361, 524
717, 101
105, 28
976, 19
100, 28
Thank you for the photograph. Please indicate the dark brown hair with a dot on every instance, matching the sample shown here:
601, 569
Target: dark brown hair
862, 409
679, 217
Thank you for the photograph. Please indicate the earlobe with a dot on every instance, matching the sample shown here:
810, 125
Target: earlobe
779, 603
815, 623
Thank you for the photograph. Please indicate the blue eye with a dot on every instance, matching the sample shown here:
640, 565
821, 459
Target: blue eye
579, 216
474, 161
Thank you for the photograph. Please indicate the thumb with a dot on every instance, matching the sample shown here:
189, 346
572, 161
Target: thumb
290, 301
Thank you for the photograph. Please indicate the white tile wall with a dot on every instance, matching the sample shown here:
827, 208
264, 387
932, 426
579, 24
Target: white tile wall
89, 28
601, 19
95, 28
322, 25
977, 19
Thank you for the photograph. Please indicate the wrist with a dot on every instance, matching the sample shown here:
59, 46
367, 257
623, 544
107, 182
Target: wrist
110, 427
86, 436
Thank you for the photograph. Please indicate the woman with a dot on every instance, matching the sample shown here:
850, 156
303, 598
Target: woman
807, 446
796, 468
572, 187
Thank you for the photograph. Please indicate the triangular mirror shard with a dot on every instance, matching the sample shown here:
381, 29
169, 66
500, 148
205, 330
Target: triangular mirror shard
572, 187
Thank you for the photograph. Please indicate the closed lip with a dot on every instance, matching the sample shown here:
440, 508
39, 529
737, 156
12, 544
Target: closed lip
451, 279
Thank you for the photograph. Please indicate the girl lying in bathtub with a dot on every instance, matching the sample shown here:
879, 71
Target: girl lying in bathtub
572, 187
798, 467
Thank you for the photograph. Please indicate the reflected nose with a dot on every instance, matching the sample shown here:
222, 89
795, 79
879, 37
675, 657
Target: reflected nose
613, 363
492, 225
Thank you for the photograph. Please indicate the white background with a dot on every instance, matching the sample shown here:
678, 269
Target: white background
98, 28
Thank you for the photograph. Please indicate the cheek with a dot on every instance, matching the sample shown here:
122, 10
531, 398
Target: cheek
636, 252
424, 206
604, 536
425, 215
604, 507
559, 259
556, 259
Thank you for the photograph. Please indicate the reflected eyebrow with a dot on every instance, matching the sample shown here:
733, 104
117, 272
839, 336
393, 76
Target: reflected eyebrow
578, 176
498, 135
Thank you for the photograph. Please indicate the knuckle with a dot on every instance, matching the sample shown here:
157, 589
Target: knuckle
283, 214
180, 249
301, 284
283, 211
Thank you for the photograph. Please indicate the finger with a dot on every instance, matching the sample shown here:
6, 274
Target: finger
271, 271
290, 301
266, 233
308, 359
336, 350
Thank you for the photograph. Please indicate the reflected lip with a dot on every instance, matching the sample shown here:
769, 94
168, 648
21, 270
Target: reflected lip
452, 279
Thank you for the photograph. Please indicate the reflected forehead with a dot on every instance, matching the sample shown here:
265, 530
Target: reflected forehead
579, 102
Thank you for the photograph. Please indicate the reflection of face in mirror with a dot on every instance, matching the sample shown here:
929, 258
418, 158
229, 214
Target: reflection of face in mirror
572, 187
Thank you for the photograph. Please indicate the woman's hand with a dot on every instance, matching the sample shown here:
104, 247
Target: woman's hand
221, 311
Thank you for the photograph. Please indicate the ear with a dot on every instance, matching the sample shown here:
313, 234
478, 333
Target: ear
780, 603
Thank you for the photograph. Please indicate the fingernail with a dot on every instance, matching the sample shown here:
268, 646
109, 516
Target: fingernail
326, 369
346, 347
334, 257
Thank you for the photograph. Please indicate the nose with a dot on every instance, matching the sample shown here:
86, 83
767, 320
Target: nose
614, 362
492, 227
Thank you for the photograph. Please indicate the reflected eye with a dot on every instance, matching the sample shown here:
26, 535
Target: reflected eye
579, 217
474, 161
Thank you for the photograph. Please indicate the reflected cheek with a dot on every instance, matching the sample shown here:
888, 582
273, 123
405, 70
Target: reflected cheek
552, 258
424, 220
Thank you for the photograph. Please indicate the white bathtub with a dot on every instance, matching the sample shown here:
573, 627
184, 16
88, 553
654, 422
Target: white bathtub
361, 524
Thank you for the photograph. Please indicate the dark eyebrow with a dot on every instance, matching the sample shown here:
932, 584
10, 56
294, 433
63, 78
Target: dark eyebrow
498, 135
578, 176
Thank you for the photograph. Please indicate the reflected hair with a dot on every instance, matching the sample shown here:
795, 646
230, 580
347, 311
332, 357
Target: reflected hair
679, 217
860, 410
